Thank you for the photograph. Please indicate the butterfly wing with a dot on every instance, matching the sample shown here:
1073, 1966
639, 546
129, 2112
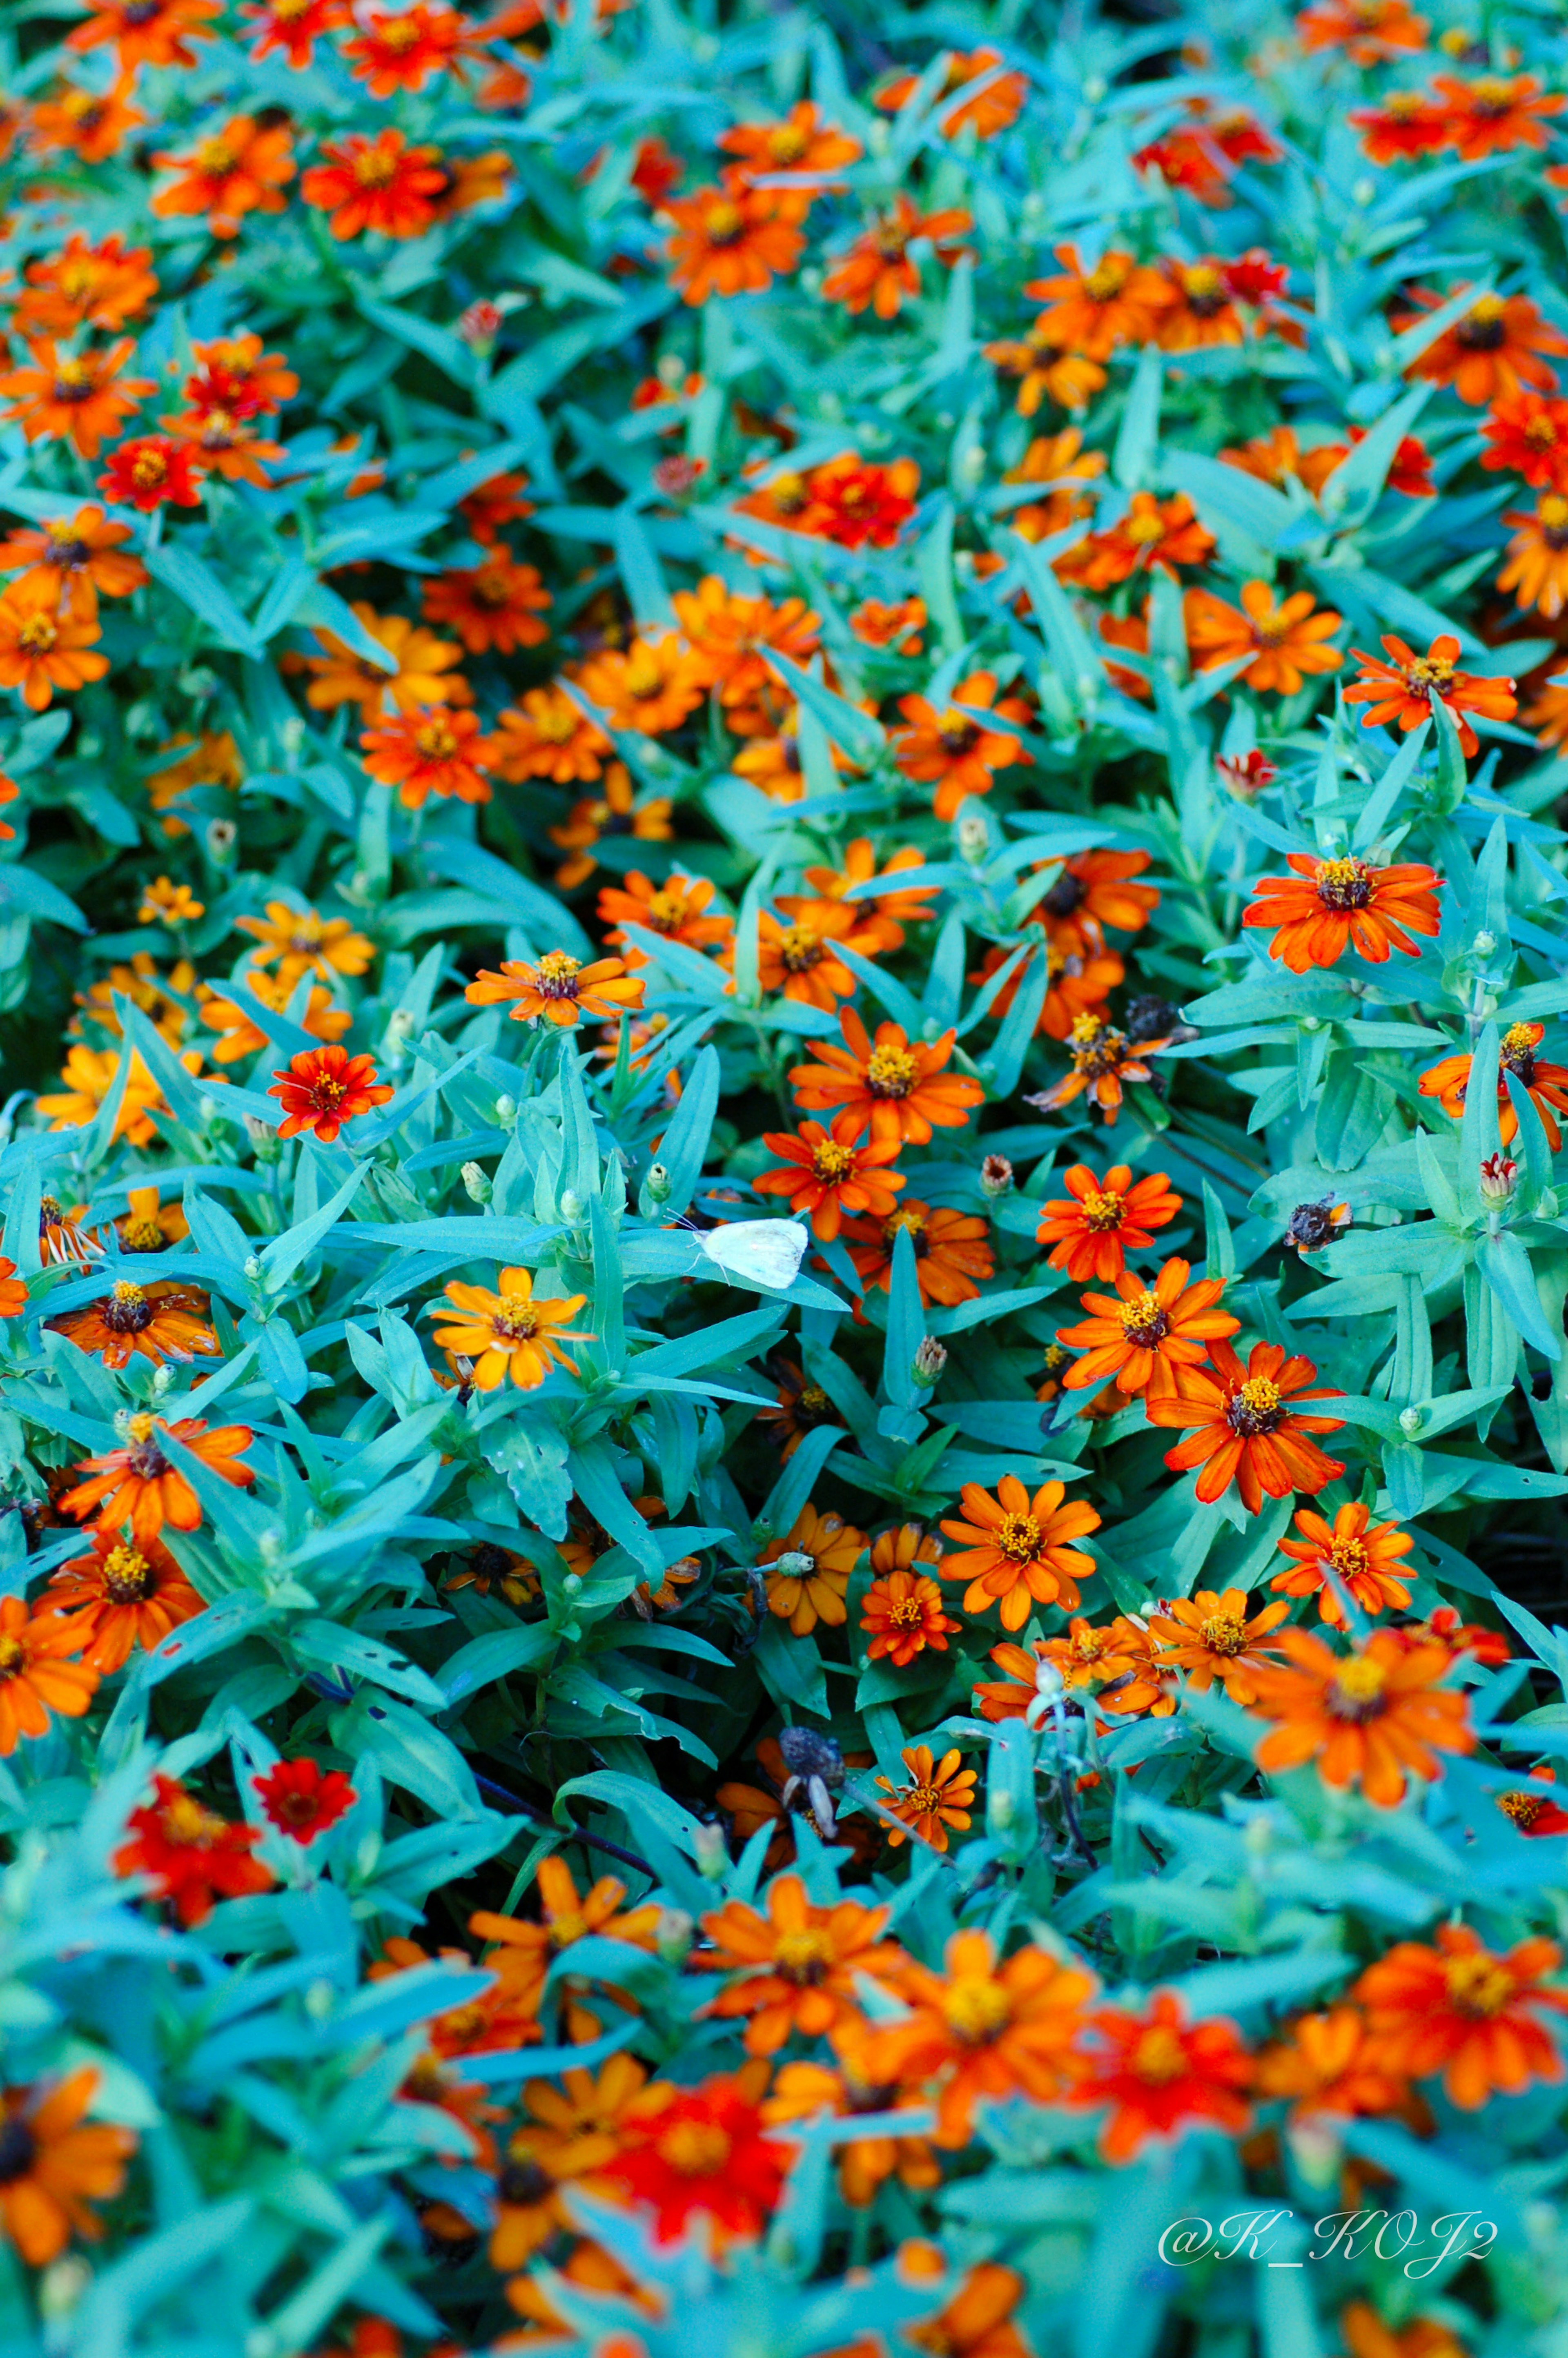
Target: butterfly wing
757, 1252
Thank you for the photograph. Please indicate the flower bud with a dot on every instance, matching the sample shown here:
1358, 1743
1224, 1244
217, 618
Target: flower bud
212, 1111
1411, 1420
712, 1851
221, 837
571, 1206
1485, 943
929, 1361
973, 838
1500, 1177
61, 2286
673, 1933
677, 474
480, 325
996, 1176
505, 1112
795, 1564
476, 1180
659, 1183
263, 1136
1245, 774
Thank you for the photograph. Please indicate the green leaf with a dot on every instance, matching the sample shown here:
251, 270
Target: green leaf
198, 587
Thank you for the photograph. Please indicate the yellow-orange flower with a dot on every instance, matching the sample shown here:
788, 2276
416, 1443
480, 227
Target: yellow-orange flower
1375, 1716
1283, 640
557, 988
1345, 1554
511, 1333
940, 1794
1017, 1549
1454, 2007
795, 1968
807, 1572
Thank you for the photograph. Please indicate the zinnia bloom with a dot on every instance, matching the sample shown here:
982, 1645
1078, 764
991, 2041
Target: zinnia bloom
1284, 639
194, 1856
941, 1794
1374, 1716
733, 636
85, 285
80, 397
1407, 123
147, 32
865, 2164
1212, 1637
1494, 350
558, 988
302, 1799
1366, 1560
904, 1613
1331, 2063
1532, 1813
300, 942
36, 1680
426, 668
509, 1333
1454, 2006
952, 1257
380, 183
89, 124
401, 49
1098, 1222
808, 1573
981, 2029
44, 644
493, 606
119, 1597
1245, 1430
1093, 312
1494, 114
1537, 565
859, 503
13, 1290
1103, 1058
138, 1484
1370, 32
802, 143
700, 2153
897, 1087
439, 750
798, 958
1094, 890
1159, 2074
652, 685
1315, 914
57, 2162
1144, 1335
877, 273
243, 168
293, 26
1406, 686
733, 240
548, 737
823, 1178
76, 558
159, 1321
794, 1968
322, 1088
614, 810
527, 1951
1527, 434
1449, 1079
991, 109
951, 749
679, 910
1016, 1548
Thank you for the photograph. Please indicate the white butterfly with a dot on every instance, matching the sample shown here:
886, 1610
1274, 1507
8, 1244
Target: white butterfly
756, 1252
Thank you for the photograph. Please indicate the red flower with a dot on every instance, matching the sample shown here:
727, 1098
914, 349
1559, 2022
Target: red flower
294, 26
1245, 1430
400, 49
325, 1088
303, 1799
151, 472
700, 2151
855, 501
193, 1855
380, 184
1160, 2074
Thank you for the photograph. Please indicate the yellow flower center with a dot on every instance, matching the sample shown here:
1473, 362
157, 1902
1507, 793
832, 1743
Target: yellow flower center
695, 2149
1103, 1212
1203, 284
38, 634
128, 1577
975, 2009
376, 168
1348, 1558
1255, 1409
723, 223
957, 732
1144, 1323
13, 1654
1357, 1689
1222, 1633
812, 1400
215, 158
799, 949
1522, 1807
830, 1162
1106, 281
436, 742
787, 143
1344, 883
1144, 528
906, 1612
1159, 2057
142, 1233
1552, 513
1519, 1043
1018, 1538
556, 975
666, 911
186, 1823
890, 1072
519, 1323
558, 724
644, 676
127, 1310
803, 1956
1479, 1985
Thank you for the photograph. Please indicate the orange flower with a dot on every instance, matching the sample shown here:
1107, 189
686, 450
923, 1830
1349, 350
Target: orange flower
733, 240
294, 26
45, 645
857, 502
1153, 534
1092, 311
1094, 890
60, 2162
400, 49
159, 1321
1331, 2063
225, 445
85, 285
1373, 1717
990, 109
865, 2164
574, 2130
1246, 1433
1407, 123
35, 1680
800, 143
1366, 1561
798, 958
119, 1598
526, 1951
675, 909
1283, 641
13, 1290
1016, 1549
191, 1855
1537, 558
952, 1258
1528, 434
1405, 688
897, 1087
823, 1179
137, 1485
1370, 32
652, 685
1531, 1813
1495, 349
1204, 314
1449, 1078
435, 751
1211, 1636
1117, 1661
380, 184
1454, 2006
557, 988
1365, 2336
1160, 2074
799, 1407
233, 373
1494, 114
322, 1088
303, 943
808, 1572
954, 750
978, 2321
731, 636
876, 624
1074, 986
877, 273
1325, 905
80, 397
514, 1333
1044, 367
1097, 1223
798, 1966
550, 737
1146, 1336
493, 605
425, 668
941, 1795
884, 916
241, 169
90, 124
904, 1613
699, 2153
1103, 1058
147, 32
982, 2028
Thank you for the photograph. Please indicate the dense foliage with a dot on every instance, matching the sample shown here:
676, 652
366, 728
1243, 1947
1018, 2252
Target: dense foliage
783, 1404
